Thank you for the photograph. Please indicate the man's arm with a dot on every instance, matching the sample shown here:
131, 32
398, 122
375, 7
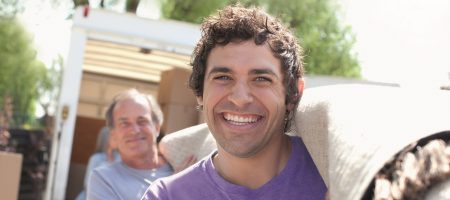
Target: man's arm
98, 188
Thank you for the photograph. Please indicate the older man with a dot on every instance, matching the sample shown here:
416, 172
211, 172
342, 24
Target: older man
134, 120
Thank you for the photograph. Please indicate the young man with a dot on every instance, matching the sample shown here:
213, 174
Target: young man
247, 76
134, 120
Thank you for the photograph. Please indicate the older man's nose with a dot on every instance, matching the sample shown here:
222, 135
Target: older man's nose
135, 128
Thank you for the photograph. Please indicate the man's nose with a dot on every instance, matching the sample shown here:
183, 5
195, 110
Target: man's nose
135, 128
240, 94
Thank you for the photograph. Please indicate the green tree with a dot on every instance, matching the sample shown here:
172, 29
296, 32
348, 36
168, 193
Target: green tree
327, 44
9, 8
77, 3
190, 10
130, 5
20, 71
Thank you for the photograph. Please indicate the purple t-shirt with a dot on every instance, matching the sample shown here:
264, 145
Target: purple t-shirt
299, 179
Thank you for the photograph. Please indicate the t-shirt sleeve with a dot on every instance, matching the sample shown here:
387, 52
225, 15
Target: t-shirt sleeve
156, 191
98, 188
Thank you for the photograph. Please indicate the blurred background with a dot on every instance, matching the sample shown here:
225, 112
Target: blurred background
62, 61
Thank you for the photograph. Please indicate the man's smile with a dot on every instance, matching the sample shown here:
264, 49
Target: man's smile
237, 119
135, 139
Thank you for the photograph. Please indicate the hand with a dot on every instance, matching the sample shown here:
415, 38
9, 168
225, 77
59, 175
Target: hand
188, 162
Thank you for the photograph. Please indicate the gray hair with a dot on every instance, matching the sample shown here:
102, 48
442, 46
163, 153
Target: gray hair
157, 114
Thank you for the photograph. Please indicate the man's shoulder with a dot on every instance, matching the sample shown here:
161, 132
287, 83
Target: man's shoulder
109, 168
98, 156
181, 182
193, 171
297, 142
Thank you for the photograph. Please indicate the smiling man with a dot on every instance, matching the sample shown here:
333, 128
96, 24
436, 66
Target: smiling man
247, 76
134, 120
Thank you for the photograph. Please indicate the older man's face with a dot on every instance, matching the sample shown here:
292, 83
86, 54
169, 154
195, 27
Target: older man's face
133, 132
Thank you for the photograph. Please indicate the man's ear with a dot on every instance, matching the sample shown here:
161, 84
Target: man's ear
300, 87
112, 135
111, 140
200, 100
157, 129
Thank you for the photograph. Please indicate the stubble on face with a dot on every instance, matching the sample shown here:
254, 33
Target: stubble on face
243, 97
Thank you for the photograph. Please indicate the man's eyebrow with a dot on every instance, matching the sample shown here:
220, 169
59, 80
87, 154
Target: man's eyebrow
218, 70
253, 71
263, 71
142, 117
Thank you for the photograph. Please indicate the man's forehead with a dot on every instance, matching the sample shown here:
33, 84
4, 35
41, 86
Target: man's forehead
134, 104
218, 59
127, 118
131, 100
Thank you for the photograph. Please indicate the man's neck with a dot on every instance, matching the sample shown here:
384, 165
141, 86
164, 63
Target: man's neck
147, 161
255, 171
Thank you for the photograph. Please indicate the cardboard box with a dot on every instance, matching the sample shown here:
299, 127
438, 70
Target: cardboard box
10, 168
174, 89
177, 117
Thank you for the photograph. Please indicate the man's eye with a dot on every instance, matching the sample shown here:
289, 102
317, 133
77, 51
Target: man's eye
124, 124
142, 122
223, 78
261, 78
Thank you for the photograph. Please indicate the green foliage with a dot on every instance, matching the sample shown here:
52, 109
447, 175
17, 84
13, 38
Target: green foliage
49, 89
20, 71
9, 8
190, 10
327, 45
77, 3
131, 5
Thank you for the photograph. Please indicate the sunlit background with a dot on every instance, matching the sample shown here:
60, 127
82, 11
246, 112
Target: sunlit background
401, 41
398, 42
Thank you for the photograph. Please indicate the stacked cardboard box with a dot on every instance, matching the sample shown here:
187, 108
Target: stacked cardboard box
177, 100
10, 168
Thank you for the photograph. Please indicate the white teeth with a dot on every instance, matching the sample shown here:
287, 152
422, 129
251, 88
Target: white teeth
240, 119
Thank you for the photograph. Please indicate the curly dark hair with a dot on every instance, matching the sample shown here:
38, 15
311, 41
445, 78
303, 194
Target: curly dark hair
236, 23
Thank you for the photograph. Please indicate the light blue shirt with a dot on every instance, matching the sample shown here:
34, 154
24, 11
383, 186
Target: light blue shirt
118, 181
96, 160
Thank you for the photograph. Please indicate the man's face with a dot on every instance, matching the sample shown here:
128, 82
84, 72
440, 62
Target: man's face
133, 132
243, 97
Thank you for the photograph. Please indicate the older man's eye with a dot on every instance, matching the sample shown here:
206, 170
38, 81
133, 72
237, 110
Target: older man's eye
124, 124
262, 78
143, 122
